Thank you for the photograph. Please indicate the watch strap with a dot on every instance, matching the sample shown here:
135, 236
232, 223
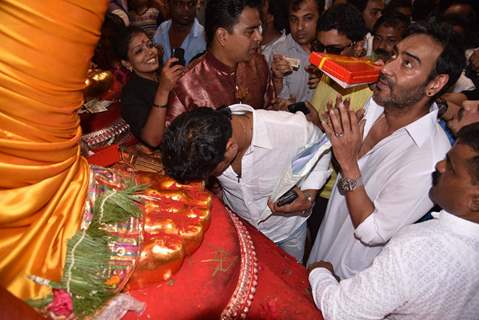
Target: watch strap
347, 184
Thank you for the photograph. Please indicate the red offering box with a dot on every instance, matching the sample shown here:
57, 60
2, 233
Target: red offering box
350, 70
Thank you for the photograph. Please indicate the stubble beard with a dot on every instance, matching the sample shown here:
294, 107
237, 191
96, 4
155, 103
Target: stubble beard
402, 100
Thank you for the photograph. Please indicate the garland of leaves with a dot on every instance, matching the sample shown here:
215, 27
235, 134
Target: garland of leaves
87, 265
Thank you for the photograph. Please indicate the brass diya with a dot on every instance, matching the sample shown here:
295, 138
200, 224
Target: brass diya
97, 83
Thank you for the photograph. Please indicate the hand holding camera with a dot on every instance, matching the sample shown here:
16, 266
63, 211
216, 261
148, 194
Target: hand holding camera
179, 53
170, 73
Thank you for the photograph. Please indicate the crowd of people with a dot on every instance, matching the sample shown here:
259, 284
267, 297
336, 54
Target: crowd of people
385, 212
387, 139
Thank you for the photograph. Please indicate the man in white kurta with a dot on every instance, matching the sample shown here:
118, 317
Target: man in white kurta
428, 270
386, 160
397, 176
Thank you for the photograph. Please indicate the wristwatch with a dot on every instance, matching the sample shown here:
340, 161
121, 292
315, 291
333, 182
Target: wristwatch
347, 184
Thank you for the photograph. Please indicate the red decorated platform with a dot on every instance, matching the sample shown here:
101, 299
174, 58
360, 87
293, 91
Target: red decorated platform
277, 286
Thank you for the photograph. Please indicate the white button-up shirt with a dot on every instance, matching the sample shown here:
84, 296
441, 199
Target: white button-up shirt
429, 270
277, 138
396, 174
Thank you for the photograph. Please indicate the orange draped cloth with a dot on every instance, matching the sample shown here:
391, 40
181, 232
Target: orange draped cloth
45, 49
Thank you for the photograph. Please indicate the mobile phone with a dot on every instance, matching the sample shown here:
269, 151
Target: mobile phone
298, 106
287, 197
179, 53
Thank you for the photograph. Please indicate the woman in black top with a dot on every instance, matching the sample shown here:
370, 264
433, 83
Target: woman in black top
144, 98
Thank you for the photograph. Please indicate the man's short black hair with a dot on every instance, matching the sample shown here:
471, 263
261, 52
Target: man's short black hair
346, 19
194, 144
396, 4
452, 60
394, 20
295, 4
468, 21
445, 4
423, 10
469, 136
225, 14
105, 51
279, 10
359, 4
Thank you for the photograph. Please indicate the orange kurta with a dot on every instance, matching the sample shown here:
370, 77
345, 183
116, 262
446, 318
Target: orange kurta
45, 47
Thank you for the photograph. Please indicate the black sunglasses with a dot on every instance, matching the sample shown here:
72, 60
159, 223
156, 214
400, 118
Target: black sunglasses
319, 47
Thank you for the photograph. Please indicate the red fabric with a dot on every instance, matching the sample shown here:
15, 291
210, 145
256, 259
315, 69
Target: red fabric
283, 291
105, 157
348, 69
91, 122
208, 82
207, 279
196, 291
13, 308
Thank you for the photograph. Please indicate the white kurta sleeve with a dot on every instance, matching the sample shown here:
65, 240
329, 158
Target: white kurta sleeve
403, 201
371, 294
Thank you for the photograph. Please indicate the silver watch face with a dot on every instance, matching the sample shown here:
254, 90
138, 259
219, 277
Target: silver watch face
346, 184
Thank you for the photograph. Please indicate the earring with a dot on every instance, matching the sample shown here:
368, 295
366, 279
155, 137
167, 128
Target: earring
127, 66
475, 203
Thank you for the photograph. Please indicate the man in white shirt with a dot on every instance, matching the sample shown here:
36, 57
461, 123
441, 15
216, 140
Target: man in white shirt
386, 171
428, 270
249, 154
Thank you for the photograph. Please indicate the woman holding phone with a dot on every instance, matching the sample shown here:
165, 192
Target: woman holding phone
145, 96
